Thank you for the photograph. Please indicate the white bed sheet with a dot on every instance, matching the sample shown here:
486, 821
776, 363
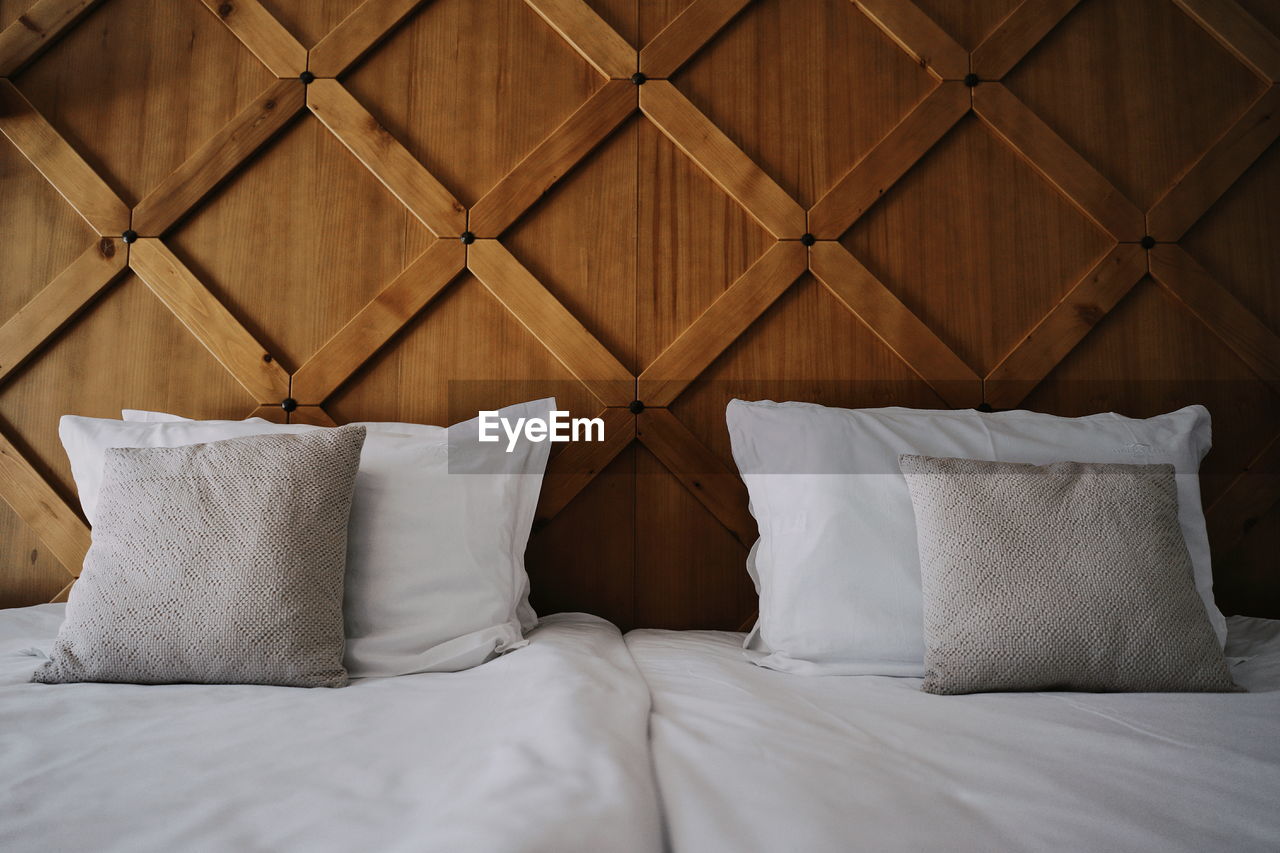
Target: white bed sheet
543, 749
750, 759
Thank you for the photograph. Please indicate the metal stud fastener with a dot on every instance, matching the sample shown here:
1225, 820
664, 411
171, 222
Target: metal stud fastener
635, 407
288, 404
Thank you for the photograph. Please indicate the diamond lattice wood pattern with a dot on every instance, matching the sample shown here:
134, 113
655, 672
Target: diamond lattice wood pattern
409, 209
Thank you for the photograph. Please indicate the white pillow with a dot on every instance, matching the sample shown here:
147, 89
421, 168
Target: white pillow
837, 566
439, 523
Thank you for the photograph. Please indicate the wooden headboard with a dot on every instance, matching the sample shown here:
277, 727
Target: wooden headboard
333, 210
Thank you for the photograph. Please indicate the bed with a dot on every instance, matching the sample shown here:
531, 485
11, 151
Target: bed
543, 749
748, 758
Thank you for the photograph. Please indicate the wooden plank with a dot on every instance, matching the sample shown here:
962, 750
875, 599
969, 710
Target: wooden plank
1217, 169
1058, 162
1091, 299
272, 413
60, 164
551, 323
873, 175
1250, 496
37, 28
1240, 33
219, 157
593, 39
554, 157
356, 33
63, 593
62, 531
679, 40
573, 468
919, 35
388, 160
722, 161
59, 301
265, 37
1241, 330
721, 324
892, 322
379, 321
1017, 34
210, 322
713, 483
313, 415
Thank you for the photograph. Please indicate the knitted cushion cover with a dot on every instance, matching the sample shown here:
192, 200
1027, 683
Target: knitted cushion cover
215, 563
1069, 576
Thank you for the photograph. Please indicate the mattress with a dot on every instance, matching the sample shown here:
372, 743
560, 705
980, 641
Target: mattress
543, 749
750, 759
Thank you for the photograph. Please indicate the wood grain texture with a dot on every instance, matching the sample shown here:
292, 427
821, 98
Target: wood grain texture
560, 332
35, 28
1239, 32
207, 319
1025, 27
62, 531
918, 34
1057, 334
1058, 162
894, 324
371, 143
722, 323
217, 158
58, 302
262, 33
723, 161
66, 170
593, 39
378, 321
567, 145
574, 467
696, 24
875, 173
356, 34
1219, 167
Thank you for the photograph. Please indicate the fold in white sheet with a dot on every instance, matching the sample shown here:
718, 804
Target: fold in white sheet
749, 759
543, 749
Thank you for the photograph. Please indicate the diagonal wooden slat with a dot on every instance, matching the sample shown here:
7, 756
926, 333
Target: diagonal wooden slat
59, 301
721, 324
265, 37
679, 40
61, 166
1217, 169
63, 593
36, 28
878, 170
210, 321
588, 34
919, 35
1058, 162
379, 321
36, 503
275, 414
1044, 347
722, 161
1238, 327
714, 484
1239, 32
1250, 496
1016, 35
219, 157
356, 34
573, 468
313, 415
554, 157
550, 322
892, 322
388, 160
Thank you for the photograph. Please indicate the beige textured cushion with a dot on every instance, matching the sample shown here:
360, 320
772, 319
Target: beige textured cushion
215, 563
1068, 576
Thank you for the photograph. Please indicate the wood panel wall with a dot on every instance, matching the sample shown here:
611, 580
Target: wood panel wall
333, 210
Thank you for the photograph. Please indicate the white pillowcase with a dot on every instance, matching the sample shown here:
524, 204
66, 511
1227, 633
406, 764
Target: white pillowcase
439, 523
837, 566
